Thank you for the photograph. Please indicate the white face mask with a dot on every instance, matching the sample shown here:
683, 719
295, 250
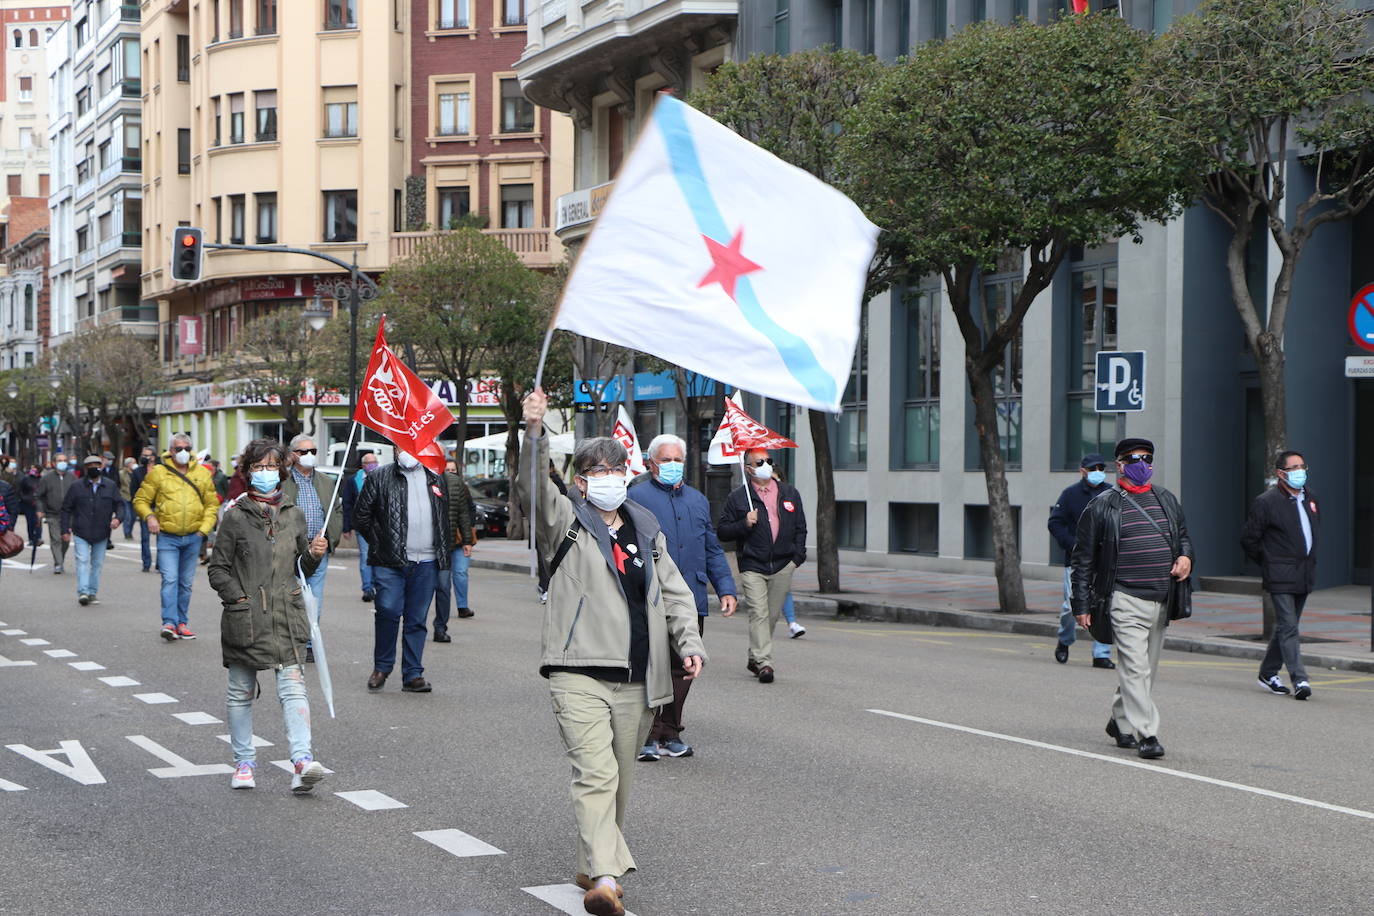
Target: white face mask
406, 460
183, 456
606, 493
308, 461
763, 471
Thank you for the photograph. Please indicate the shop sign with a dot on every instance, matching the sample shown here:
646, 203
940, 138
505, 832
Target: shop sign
1359, 367
189, 340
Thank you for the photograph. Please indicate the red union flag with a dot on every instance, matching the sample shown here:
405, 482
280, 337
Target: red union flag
398, 404
625, 431
738, 432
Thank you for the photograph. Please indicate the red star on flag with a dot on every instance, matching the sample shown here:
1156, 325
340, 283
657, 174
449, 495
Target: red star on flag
728, 263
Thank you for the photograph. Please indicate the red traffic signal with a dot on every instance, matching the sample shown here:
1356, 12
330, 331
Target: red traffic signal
187, 254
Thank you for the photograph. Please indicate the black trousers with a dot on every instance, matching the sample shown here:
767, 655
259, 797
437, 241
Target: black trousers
668, 719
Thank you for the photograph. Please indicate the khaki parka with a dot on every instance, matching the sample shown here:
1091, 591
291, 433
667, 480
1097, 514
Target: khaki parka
269, 629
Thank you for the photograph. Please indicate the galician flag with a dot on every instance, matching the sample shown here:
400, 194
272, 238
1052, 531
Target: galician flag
624, 430
718, 256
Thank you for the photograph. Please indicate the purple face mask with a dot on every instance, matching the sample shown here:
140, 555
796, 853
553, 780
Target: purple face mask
1138, 473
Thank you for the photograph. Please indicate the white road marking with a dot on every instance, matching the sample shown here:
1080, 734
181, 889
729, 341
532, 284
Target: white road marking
79, 766
177, 766
13, 633
371, 800
337, 566
7, 663
7, 786
458, 843
86, 666
289, 767
257, 742
3, 624
196, 718
119, 680
115, 556
1136, 764
34, 641
152, 698
566, 898
59, 653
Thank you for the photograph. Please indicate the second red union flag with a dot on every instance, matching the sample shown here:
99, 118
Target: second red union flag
397, 403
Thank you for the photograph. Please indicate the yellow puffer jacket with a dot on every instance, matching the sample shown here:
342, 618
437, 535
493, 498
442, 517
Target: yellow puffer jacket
180, 508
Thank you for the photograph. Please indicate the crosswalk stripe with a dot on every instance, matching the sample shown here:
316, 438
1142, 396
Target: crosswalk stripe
289, 767
196, 718
119, 680
257, 742
371, 800
153, 698
13, 632
458, 843
86, 666
566, 898
59, 653
34, 641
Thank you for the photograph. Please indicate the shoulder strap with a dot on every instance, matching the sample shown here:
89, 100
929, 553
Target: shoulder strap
568, 540
1149, 518
183, 477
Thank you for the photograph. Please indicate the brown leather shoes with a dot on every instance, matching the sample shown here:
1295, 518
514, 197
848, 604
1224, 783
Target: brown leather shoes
766, 674
376, 679
417, 685
603, 901
586, 883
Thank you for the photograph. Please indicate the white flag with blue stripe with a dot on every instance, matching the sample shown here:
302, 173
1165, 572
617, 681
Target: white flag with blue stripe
718, 256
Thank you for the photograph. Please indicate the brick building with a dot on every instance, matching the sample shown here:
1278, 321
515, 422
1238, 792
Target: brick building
24, 298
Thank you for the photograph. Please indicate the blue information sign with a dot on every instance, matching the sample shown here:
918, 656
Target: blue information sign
1120, 381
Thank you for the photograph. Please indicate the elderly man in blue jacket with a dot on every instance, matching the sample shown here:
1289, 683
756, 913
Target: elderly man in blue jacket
685, 517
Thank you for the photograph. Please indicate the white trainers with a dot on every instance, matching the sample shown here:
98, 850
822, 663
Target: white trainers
797, 629
308, 772
243, 776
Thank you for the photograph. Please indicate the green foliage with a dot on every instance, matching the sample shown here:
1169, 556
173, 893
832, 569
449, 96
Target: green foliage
274, 357
415, 203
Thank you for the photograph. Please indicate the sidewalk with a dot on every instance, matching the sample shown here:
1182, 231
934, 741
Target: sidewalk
1335, 623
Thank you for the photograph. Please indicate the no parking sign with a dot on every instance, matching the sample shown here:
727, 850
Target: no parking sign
1361, 319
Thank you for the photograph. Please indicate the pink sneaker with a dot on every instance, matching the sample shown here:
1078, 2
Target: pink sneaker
243, 777
184, 632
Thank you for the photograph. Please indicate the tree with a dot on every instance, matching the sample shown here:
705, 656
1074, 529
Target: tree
116, 370
442, 298
33, 400
276, 360
1245, 90
1000, 148
793, 106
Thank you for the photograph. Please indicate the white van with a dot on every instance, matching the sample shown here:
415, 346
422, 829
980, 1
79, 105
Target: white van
385, 452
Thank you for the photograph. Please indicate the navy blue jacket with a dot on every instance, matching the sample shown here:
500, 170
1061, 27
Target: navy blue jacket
87, 509
1064, 514
685, 517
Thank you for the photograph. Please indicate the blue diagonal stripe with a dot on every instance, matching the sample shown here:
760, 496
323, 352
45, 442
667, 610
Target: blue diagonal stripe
796, 354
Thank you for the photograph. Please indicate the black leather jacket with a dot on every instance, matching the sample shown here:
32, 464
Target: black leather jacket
381, 515
1094, 556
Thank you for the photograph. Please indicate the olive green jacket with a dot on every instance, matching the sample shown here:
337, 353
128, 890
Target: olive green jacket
269, 629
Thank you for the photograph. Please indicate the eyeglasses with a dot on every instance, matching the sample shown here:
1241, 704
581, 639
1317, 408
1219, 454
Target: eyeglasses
1296, 467
306, 451
669, 460
265, 467
1132, 459
1096, 467
601, 470
760, 462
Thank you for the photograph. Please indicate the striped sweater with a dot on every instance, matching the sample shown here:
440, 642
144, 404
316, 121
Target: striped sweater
1144, 557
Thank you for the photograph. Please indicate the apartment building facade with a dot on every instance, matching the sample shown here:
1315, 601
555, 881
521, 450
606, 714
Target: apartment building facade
25, 27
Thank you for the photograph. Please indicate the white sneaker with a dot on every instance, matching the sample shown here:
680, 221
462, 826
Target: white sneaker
308, 772
797, 629
243, 777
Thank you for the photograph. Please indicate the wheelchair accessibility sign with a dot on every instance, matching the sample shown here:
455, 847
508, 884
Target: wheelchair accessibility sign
1120, 384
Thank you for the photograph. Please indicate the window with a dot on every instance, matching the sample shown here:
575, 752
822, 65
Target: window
782, 38
267, 17
104, 226
1020, 9
397, 210
133, 142
453, 205
265, 108
83, 238
237, 216
977, 10
183, 151
215, 103
183, 58
25, 137
517, 112
214, 21
42, 185
399, 110
83, 100
14, 185
868, 32
517, 206
105, 154
341, 111
454, 110
851, 525
236, 132
454, 14
235, 18
978, 543
939, 23
33, 38
18, 38
914, 528
83, 31
219, 213
920, 382
26, 89
851, 445
340, 216
132, 228
266, 207
1161, 14
998, 296
341, 14
1092, 327
28, 307
104, 79
513, 12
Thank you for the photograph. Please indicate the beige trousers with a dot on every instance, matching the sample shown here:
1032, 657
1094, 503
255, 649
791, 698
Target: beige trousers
603, 726
1138, 626
763, 597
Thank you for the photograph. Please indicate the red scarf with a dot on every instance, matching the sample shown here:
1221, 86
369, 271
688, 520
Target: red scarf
1131, 487
271, 505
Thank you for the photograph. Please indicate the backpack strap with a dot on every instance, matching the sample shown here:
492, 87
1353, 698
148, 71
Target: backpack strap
568, 540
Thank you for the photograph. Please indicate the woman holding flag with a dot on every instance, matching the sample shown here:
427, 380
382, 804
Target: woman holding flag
263, 624
616, 603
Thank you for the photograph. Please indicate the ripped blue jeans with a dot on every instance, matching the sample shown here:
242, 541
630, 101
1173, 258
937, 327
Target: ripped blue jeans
295, 710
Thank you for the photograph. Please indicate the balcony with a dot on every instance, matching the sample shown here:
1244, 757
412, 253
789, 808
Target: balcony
129, 12
532, 245
85, 258
124, 165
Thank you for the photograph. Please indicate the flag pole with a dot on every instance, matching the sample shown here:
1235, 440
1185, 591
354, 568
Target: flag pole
744, 478
534, 471
338, 481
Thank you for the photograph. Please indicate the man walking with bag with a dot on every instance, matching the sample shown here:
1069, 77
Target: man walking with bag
1131, 569
89, 515
1281, 536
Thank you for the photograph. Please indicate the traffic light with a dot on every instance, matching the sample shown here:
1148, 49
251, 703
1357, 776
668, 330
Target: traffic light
186, 254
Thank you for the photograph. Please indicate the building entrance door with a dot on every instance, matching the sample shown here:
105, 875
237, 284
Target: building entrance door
1363, 540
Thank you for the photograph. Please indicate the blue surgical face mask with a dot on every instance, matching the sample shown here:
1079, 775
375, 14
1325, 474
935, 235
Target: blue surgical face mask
1096, 477
266, 481
670, 473
61, 467
1297, 479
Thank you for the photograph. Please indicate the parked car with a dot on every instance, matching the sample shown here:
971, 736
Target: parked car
491, 505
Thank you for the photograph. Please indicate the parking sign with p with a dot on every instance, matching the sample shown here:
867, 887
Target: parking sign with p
1120, 384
